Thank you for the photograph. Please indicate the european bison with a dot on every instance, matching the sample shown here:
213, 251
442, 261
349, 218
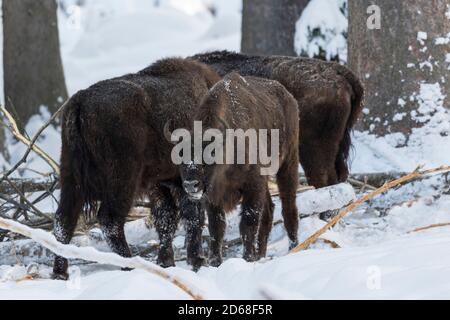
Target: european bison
113, 149
246, 104
330, 100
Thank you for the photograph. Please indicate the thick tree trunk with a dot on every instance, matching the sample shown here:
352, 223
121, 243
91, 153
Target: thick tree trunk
401, 62
33, 71
268, 26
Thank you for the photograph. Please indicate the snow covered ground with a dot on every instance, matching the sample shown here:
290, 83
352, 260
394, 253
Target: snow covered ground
379, 257
410, 267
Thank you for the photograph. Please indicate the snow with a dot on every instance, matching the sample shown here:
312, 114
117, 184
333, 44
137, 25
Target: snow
425, 144
325, 17
379, 258
373, 272
421, 37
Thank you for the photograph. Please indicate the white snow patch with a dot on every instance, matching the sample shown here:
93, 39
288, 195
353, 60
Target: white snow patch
421, 37
325, 17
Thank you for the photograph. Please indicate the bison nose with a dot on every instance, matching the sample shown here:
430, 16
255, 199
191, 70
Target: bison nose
191, 186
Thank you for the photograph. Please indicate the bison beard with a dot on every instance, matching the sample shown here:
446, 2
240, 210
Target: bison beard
250, 103
113, 150
329, 97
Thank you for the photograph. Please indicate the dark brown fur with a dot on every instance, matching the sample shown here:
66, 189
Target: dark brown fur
250, 103
330, 101
113, 149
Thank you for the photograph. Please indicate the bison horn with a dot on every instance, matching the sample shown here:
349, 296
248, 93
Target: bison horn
167, 132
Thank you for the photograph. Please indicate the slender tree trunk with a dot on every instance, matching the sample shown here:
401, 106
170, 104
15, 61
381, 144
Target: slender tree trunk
268, 26
401, 62
33, 72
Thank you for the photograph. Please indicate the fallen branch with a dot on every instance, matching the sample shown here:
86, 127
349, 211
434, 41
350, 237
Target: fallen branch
438, 225
25, 201
27, 185
412, 176
376, 180
90, 254
31, 143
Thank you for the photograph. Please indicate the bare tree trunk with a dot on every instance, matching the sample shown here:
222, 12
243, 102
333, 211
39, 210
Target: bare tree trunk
268, 26
33, 71
400, 61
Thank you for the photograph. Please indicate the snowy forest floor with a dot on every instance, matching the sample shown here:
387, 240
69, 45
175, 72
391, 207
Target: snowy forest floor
379, 257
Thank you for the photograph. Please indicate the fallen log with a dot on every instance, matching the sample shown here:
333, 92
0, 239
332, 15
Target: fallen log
26, 186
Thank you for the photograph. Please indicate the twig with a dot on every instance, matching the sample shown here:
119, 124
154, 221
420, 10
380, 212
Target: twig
27, 202
31, 143
412, 176
14, 202
90, 254
364, 185
438, 225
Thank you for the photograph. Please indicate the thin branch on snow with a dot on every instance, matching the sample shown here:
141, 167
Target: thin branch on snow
433, 226
90, 254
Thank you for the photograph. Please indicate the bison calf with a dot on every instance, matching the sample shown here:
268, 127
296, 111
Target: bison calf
246, 104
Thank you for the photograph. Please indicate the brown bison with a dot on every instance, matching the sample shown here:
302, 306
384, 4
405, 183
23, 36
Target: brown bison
246, 104
329, 97
113, 149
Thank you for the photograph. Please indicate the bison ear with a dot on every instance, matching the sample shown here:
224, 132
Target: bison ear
168, 132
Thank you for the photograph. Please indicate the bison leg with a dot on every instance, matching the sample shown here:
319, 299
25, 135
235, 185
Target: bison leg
287, 179
266, 226
193, 213
216, 224
252, 208
112, 217
66, 219
166, 221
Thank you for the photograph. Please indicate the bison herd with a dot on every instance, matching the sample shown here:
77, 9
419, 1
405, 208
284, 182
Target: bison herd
118, 142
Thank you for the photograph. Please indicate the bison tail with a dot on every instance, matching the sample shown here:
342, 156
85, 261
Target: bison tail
76, 162
356, 109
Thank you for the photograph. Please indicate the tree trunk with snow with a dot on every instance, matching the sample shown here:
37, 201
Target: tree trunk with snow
268, 26
404, 64
33, 71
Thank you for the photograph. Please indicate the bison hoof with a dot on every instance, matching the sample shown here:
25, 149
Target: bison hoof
60, 276
166, 261
293, 245
166, 258
250, 257
215, 261
197, 263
